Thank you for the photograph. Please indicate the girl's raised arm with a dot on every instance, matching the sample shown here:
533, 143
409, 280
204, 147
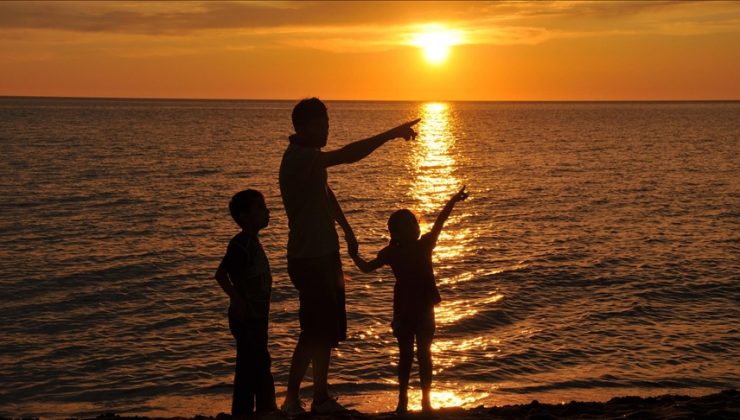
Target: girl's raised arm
445, 213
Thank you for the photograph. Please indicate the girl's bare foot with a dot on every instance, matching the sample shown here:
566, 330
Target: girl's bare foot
426, 405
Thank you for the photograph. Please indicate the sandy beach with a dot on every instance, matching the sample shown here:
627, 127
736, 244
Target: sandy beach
722, 405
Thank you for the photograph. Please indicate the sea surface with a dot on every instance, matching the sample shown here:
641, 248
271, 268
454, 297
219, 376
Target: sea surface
598, 254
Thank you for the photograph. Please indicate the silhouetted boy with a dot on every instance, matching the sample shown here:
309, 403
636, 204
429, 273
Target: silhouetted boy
244, 274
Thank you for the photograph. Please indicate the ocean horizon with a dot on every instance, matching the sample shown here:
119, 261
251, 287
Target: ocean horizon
293, 100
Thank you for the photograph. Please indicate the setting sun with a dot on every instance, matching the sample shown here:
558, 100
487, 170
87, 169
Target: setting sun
435, 42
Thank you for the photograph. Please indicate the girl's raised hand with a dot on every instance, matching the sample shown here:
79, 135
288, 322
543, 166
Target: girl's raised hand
460, 195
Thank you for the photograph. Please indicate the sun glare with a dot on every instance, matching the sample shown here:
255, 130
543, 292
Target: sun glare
435, 42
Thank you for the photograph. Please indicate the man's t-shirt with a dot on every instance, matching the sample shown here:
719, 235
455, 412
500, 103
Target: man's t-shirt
304, 191
249, 271
415, 290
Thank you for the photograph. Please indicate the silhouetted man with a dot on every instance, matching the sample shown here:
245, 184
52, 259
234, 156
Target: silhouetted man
314, 265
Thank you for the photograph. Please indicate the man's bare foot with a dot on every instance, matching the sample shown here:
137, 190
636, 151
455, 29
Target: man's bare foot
403, 404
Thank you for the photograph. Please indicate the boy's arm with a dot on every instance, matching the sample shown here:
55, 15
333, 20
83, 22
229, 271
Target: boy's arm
338, 215
445, 213
359, 149
222, 277
237, 303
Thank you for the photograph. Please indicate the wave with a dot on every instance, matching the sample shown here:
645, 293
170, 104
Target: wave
481, 321
613, 382
203, 172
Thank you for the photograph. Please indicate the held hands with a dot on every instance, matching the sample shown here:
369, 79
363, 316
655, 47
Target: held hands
404, 130
460, 195
352, 245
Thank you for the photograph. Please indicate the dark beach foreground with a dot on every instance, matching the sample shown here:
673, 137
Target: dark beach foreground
723, 405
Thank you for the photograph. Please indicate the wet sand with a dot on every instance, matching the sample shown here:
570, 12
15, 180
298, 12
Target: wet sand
722, 405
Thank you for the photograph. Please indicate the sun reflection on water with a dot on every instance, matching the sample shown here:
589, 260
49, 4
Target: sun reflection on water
446, 398
434, 165
451, 311
432, 162
449, 353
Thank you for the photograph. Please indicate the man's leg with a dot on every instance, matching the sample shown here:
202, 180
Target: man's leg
323, 324
321, 360
298, 271
334, 325
298, 365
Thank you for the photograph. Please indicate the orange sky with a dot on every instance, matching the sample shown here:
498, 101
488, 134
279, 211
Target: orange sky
364, 50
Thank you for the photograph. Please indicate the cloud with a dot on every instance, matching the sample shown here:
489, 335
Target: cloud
185, 18
366, 26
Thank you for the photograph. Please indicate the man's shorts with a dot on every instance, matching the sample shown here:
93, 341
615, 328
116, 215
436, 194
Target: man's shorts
320, 284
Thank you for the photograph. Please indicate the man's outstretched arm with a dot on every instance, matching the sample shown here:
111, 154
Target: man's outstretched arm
358, 150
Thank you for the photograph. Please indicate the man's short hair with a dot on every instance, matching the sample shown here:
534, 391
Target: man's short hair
307, 110
242, 202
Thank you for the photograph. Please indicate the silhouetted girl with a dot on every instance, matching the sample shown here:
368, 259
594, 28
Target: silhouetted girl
414, 294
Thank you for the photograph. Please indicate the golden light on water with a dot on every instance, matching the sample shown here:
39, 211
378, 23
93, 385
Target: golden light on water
450, 353
432, 162
451, 311
446, 398
434, 165
466, 276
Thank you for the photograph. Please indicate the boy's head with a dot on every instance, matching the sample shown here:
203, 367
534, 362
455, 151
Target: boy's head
311, 122
403, 226
249, 211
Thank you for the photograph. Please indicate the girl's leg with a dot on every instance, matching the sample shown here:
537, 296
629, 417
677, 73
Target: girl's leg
424, 353
406, 353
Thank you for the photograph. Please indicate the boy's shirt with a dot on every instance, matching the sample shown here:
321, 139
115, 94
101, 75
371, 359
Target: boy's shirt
249, 271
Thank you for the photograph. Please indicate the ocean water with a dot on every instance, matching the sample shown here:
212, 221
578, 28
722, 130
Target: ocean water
598, 254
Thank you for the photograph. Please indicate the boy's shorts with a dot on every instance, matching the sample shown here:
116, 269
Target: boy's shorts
320, 284
419, 323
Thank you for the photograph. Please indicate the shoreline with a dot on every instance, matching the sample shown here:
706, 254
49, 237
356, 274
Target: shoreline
720, 405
